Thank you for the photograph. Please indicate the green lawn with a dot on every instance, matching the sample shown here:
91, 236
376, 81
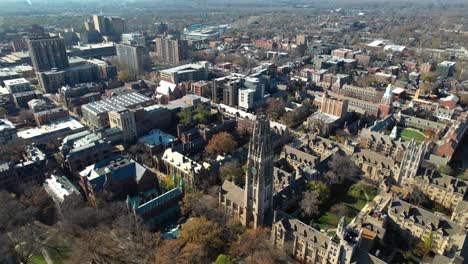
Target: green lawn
37, 259
329, 220
409, 133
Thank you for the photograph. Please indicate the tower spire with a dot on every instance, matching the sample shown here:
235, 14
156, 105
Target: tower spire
259, 175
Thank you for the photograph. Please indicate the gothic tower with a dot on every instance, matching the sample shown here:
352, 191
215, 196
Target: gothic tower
259, 176
386, 102
412, 159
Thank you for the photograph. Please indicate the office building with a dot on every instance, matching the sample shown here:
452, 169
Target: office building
118, 26
134, 39
21, 99
105, 49
189, 72
18, 85
75, 96
101, 24
53, 80
171, 51
96, 114
161, 28
50, 115
53, 131
47, 53
83, 149
133, 58
106, 70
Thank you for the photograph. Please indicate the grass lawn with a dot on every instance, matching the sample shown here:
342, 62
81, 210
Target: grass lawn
329, 220
409, 133
37, 259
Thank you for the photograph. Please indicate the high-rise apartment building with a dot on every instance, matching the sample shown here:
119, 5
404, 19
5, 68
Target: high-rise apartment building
47, 53
101, 24
161, 28
133, 57
171, 51
118, 26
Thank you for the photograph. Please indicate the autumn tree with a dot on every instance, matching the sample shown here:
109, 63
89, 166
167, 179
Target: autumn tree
232, 171
125, 76
254, 247
274, 108
221, 143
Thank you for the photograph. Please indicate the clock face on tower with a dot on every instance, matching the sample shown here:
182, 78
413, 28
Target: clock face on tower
254, 171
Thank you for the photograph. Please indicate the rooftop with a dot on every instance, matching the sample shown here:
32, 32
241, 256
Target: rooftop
6, 124
186, 67
121, 167
180, 161
118, 102
61, 124
15, 81
157, 137
81, 141
59, 187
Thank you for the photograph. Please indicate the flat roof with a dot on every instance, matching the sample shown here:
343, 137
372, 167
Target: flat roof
64, 123
15, 81
117, 102
157, 137
186, 67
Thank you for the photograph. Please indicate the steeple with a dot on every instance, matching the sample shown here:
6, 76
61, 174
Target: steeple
259, 175
386, 102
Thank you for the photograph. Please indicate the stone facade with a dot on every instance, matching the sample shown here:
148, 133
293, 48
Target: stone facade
253, 204
308, 245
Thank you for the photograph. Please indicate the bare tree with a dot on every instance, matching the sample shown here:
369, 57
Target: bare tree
310, 203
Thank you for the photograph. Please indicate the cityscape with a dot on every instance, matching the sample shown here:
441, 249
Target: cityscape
233, 132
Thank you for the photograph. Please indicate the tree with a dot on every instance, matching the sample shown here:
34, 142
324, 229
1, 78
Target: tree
342, 168
202, 114
429, 77
341, 209
357, 190
223, 259
417, 197
446, 170
310, 204
254, 247
232, 171
185, 116
321, 189
125, 76
205, 233
274, 109
221, 143
26, 116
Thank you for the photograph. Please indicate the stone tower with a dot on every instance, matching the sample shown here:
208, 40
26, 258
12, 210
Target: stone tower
411, 161
259, 175
386, 102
